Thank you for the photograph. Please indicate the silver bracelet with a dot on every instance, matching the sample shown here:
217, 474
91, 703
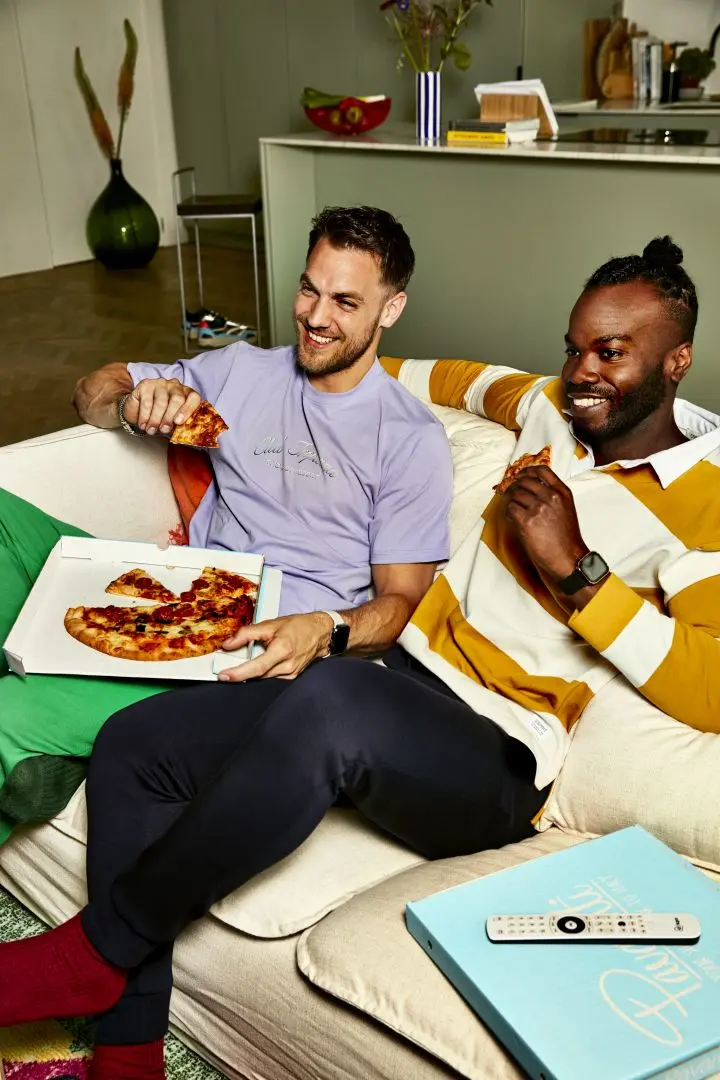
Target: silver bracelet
125, 424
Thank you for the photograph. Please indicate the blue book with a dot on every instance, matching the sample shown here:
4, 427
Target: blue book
587, 1012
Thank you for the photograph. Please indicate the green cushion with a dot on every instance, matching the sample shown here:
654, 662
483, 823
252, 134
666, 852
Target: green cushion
48, 723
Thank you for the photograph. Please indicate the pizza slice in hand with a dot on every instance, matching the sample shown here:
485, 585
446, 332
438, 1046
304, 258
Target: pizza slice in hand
525, 461
203, 428
139, 583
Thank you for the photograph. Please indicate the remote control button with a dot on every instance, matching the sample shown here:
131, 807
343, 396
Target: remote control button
571, 924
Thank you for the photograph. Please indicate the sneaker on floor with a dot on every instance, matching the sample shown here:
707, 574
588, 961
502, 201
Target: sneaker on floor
206, 316
212, 337
214, 331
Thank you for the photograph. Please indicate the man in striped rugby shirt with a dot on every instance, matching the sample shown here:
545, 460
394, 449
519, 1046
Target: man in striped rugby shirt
605, 561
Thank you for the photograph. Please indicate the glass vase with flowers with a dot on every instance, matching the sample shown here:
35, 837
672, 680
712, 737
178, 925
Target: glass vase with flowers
429, 35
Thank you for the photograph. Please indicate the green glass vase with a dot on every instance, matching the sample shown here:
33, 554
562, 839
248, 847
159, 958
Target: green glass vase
122, 230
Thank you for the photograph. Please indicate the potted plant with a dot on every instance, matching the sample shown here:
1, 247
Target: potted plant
429, 32
694, 66
122, 229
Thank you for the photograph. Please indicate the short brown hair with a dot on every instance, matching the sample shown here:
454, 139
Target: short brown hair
366, 228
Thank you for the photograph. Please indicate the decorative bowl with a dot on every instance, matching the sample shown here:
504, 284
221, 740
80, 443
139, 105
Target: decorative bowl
345, 115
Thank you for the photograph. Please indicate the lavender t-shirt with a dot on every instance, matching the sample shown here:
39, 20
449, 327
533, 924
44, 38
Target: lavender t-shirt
323, 485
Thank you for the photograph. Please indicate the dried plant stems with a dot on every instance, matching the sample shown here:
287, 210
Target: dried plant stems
126, 79
125, 92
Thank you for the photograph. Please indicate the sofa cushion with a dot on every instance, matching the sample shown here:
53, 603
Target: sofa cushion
102, 481
364, 955
341, 858
631, 764
480, 453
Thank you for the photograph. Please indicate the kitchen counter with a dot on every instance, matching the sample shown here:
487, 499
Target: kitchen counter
401, 139
680, 116
504, 238
703, 107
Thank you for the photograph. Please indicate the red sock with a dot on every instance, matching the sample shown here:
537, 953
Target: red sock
143, 1061
56, 974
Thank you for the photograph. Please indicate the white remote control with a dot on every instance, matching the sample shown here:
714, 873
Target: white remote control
617, 929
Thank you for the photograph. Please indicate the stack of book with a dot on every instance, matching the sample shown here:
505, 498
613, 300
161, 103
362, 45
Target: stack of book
492, 132
518, 99
647, 69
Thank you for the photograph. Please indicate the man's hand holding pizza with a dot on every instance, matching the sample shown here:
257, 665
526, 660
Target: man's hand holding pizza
542, 511
158, 405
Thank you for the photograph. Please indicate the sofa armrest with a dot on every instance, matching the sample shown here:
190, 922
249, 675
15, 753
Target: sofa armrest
103, 481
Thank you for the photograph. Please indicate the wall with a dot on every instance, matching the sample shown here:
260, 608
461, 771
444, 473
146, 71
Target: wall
553, 47
71, 169
238, 67
508, 242
24, 239
679, 20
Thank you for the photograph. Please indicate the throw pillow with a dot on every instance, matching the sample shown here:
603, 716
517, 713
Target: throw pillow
631, 764
342, 857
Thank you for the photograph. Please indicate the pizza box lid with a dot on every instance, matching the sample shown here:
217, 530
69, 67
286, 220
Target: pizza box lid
79, 569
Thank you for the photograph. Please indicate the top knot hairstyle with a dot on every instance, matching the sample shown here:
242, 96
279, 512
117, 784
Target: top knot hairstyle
660, 265
365, 228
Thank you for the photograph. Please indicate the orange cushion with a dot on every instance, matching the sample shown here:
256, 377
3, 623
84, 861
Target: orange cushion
190, 475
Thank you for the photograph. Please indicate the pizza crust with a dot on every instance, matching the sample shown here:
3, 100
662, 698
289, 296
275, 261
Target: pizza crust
104, 641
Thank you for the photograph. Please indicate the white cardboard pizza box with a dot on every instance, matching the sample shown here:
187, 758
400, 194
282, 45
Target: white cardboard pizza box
77, 572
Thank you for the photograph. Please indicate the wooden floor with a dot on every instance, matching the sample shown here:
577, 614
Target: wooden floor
58, 324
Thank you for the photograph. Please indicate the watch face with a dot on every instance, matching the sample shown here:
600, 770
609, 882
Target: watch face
594, 567
339, 639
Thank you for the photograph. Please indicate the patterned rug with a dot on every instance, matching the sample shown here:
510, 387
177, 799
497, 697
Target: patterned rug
60, 1050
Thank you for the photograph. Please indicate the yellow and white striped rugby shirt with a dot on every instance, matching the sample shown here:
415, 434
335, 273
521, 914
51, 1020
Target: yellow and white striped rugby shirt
492, 630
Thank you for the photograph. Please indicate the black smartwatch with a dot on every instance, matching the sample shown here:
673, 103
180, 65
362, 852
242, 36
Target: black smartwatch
339, 635
590, 570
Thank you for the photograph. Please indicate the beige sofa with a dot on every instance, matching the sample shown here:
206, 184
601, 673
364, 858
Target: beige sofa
308, 972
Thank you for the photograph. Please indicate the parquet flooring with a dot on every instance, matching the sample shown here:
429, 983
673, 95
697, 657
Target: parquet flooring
58, 324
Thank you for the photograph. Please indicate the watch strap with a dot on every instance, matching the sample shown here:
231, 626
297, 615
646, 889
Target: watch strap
573, 582
336, 617
338, 635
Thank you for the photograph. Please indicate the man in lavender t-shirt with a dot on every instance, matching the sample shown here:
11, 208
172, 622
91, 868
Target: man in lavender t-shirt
329, 468
341, 479
325, 485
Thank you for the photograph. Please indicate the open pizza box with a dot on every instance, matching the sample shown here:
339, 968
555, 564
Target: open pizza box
77, 572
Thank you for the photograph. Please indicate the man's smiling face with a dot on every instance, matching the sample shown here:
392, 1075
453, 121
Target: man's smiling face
339, 308
621, 365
